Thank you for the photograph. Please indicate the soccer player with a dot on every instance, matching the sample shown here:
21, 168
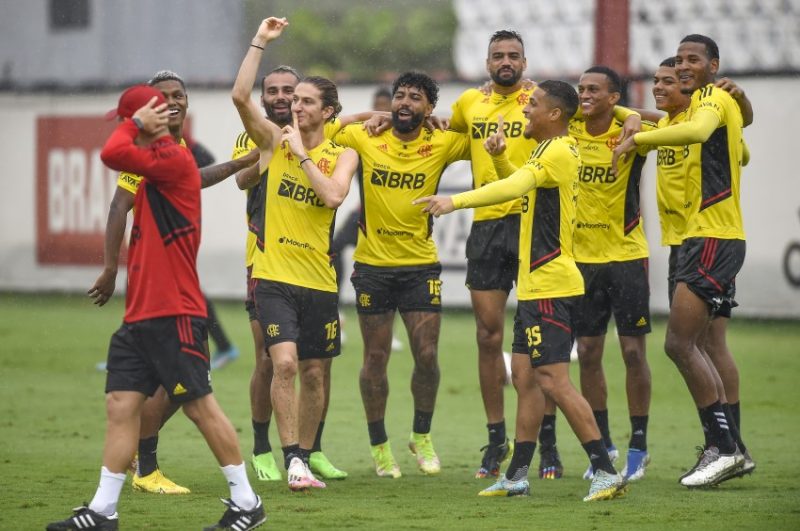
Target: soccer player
673, 211
295, 293
277, 90
396, 264
548, 281
160, 342
157, 409
612, 254
713, 248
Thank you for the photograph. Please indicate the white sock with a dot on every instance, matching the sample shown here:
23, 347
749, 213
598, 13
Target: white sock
107, 494
242, 493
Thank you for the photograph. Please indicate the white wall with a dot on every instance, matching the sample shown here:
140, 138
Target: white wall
770, 198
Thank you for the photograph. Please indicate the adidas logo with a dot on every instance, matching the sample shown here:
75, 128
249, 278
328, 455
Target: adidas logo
641, 322
330, 347
179, 389
593, 456
535, 354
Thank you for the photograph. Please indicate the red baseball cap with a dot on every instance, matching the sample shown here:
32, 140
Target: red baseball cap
133, 99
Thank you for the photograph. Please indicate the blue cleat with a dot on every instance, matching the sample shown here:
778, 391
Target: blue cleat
636, 464
220, 359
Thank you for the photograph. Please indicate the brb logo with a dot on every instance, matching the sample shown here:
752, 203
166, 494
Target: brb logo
299, 193
482, 130
394, 179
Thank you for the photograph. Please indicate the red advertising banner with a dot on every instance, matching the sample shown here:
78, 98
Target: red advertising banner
73, 190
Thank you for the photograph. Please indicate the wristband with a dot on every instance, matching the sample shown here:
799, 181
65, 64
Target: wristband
257, 46
305, 159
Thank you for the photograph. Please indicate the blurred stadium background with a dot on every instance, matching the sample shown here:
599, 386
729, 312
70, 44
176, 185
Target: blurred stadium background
62, 63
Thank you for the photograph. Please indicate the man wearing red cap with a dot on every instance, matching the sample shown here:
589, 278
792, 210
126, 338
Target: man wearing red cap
160, 342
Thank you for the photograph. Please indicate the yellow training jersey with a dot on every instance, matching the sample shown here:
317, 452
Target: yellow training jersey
609, 223
549, 183
671, 186
714, 170
298, 227
255, 202
393, 231
131, 181
255, 195
476, 114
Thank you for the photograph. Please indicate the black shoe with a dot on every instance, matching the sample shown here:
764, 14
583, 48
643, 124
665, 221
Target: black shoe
493, 456
237, 518
550, 466
85, 518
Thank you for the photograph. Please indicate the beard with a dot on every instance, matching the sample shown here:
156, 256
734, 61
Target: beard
280, 118
506, 81
409, 125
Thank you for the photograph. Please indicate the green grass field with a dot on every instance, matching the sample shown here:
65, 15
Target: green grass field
53, 420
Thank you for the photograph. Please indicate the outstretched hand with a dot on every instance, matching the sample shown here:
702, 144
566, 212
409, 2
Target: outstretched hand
622, 150
631, 126
495, 144
437, 205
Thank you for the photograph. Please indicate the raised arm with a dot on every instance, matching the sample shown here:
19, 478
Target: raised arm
737, 93
263, 132
331, 190
495, 145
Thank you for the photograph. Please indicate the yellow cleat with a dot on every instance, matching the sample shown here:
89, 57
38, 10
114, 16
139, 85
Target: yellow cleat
157, 483
421, 446
385, 465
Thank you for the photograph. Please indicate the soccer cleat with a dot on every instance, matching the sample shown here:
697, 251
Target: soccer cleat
421, 446
221, 359
385, 465
506, 487
265, 467
493, 456
101, 366
312, 480
238, 519
635, 464
157, 483
550, 466
296, 475
320, 465
605, 486
700, 453
85, 518
613, 455
748, 467
713, 468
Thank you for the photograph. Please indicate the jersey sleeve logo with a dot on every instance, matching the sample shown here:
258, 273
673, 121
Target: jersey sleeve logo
324, 166
522, 99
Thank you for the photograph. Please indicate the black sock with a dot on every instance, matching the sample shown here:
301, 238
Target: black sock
215, 329
719, 434
737, 415
148, 459
318, 439
377, 432
601, 416
598, 455
261, 438
737, 437
547, 433
422, 421
497, 433
289, 453
520, 460
639, 433
304, 455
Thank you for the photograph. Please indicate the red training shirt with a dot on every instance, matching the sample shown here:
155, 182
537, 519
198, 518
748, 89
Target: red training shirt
162, 255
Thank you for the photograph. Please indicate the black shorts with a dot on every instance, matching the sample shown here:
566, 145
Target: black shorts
408, 289
305, 316
249, 301
543, 330
168, 351
493, 254
618, 287
709, 267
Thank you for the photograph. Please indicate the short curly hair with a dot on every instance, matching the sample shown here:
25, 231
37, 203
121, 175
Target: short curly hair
421, 81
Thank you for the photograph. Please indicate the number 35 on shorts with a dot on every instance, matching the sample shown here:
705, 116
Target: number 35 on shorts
534, 334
